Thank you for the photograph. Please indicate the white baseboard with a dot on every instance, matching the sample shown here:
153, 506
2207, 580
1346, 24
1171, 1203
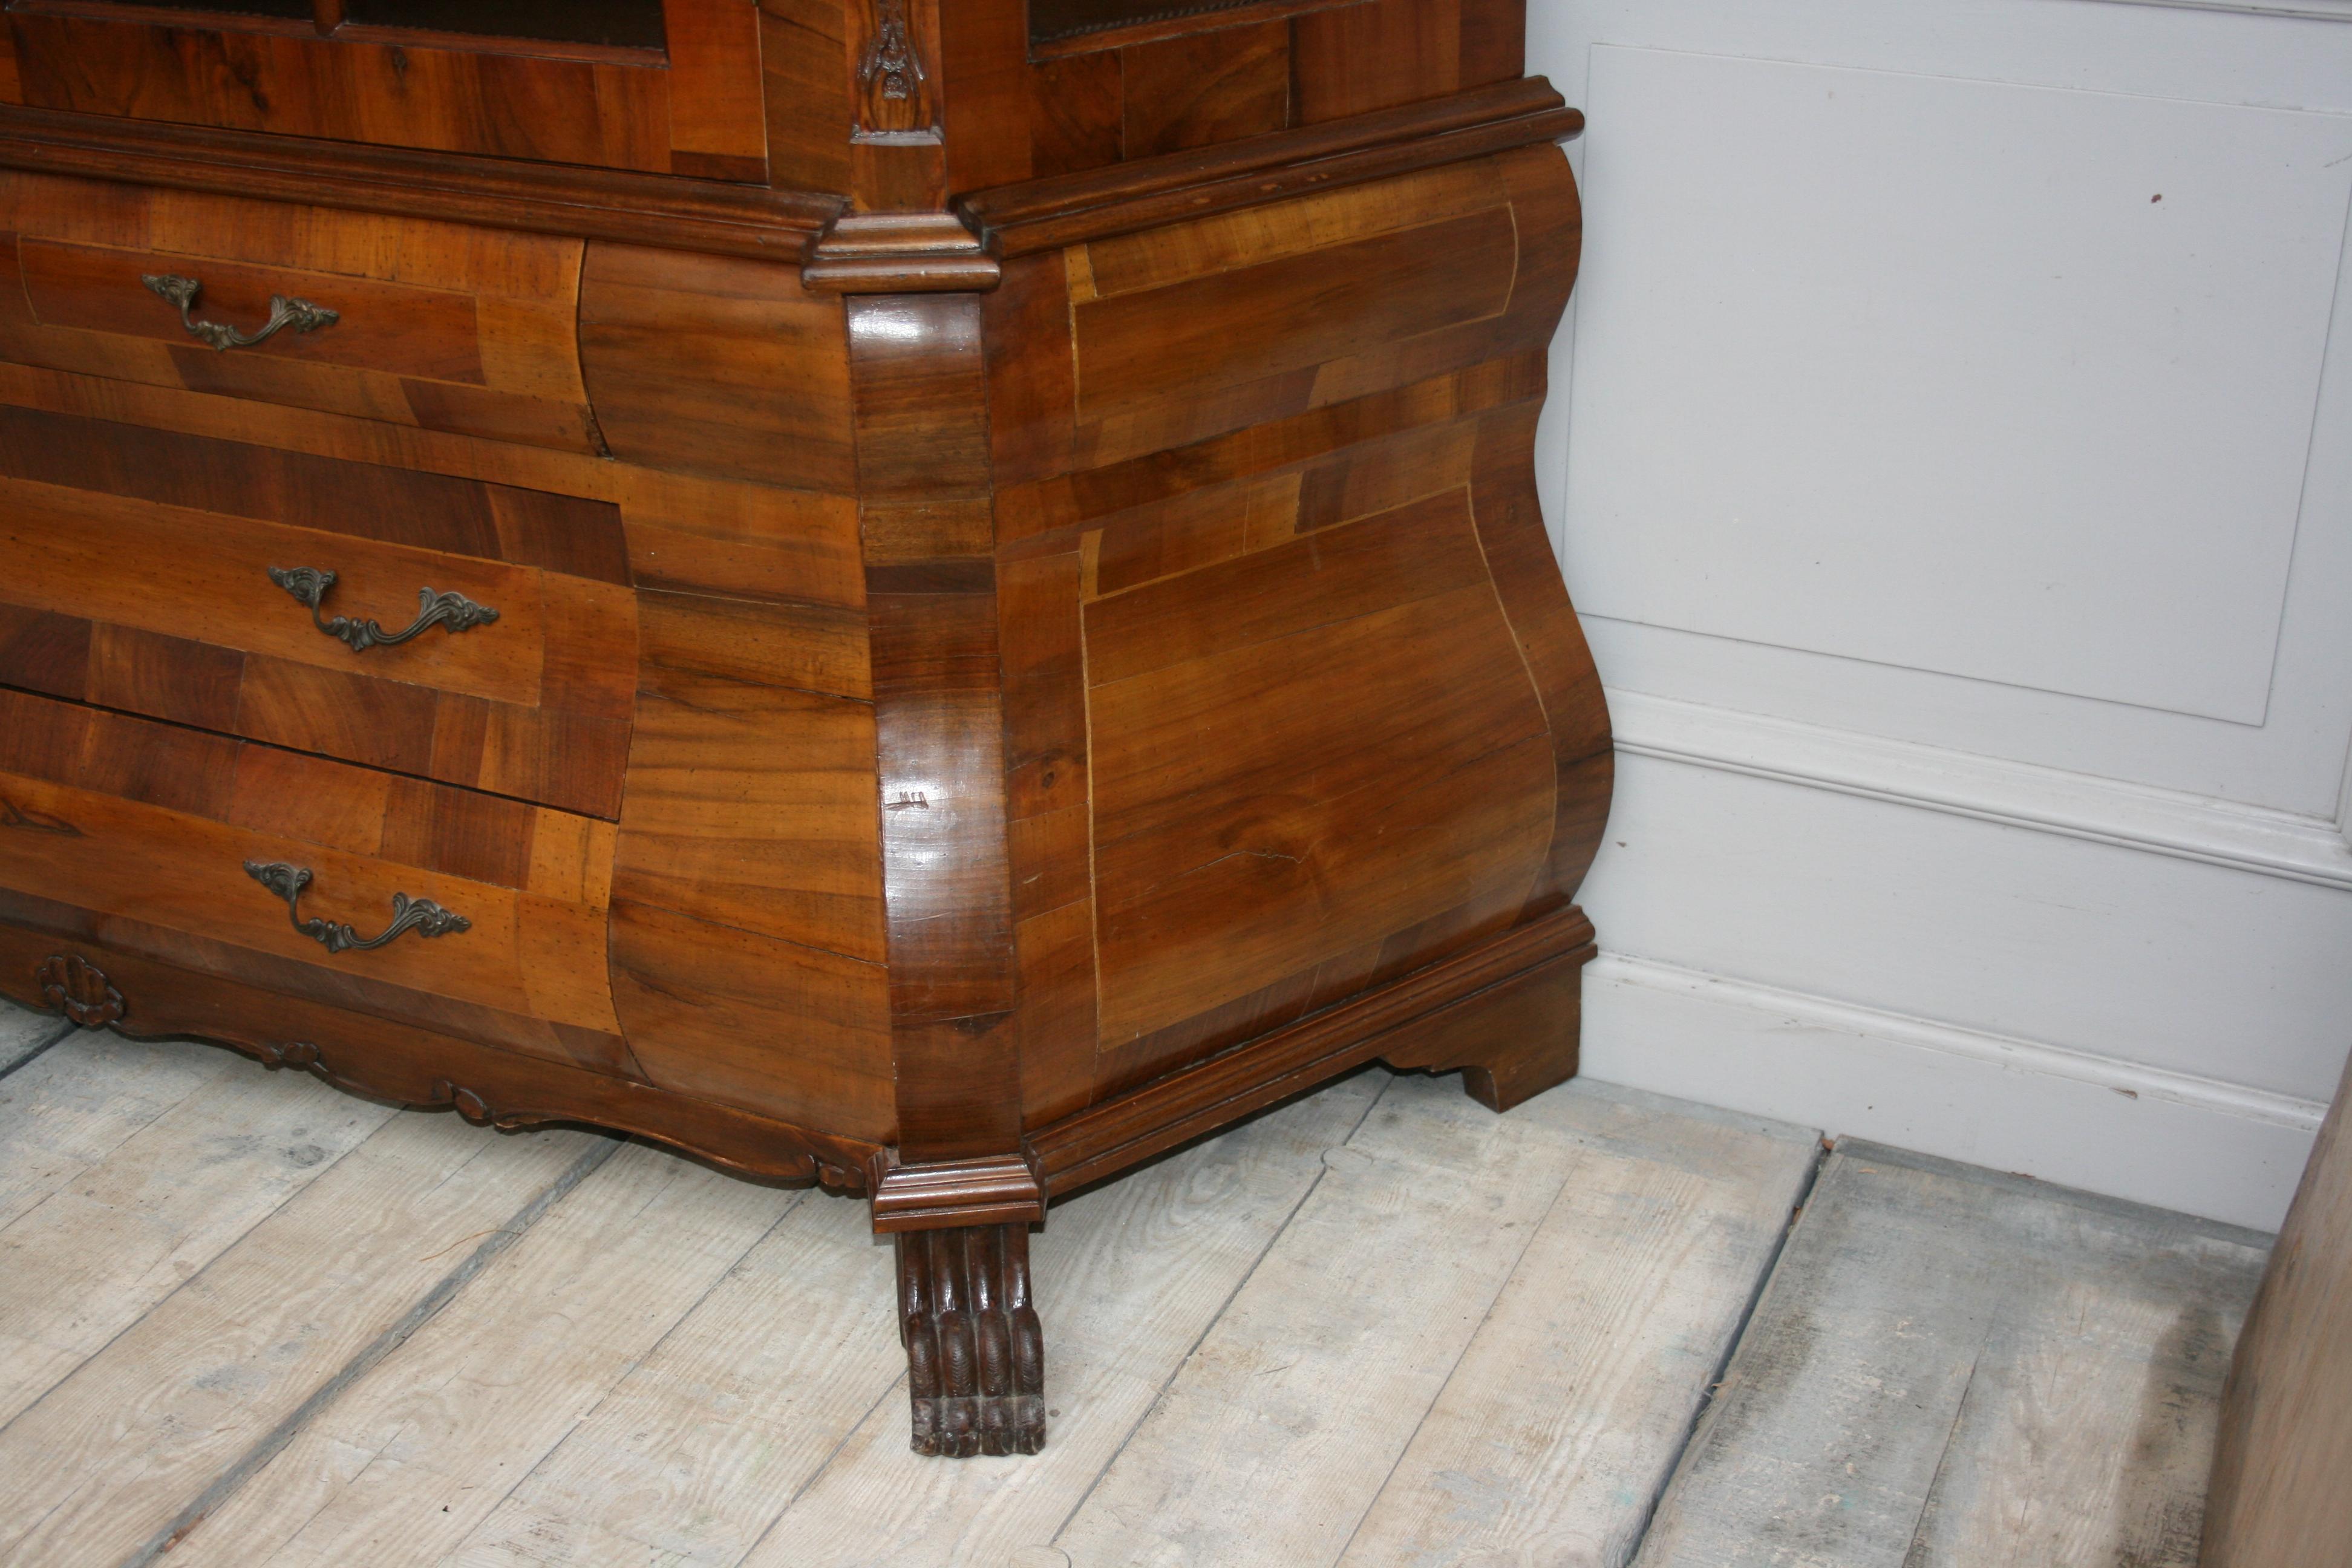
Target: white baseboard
2195, 1144
1990, 789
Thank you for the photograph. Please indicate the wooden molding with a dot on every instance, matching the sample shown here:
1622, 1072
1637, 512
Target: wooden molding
1001, 1190
71, 984
899, 253
865, 253
1107, 1138
541, 198
1069, 209
409, 1065
2258, 839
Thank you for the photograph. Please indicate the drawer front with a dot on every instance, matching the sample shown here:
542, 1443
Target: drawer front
140, 578
139, 835
436, 325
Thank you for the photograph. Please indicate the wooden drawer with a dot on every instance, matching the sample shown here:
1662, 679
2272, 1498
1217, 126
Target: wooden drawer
135, 833
438, 325
139, 578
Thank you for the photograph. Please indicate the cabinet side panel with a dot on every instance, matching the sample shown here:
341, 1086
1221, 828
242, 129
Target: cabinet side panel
1295, 702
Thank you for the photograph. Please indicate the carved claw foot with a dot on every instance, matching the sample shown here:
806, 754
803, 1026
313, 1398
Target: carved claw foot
975, 1354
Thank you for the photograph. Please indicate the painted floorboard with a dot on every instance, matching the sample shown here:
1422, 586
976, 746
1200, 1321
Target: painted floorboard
1563, 1419
157, 1426
707, 1440
69, 1108
1952, 1367
1297, 1415
1378, 1326
24, 1034
89, 1259
1130, 1277
424, 1446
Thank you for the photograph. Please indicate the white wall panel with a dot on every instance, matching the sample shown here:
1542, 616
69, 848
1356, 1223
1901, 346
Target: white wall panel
1858, 348
1965, 539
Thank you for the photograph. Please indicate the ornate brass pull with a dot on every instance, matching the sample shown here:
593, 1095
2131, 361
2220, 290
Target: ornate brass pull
422, 916
299, 314
309, 585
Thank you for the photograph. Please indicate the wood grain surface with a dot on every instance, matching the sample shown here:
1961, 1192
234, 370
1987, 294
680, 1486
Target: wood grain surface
1931, 1326
160, 844
2285, 1440
1409, 752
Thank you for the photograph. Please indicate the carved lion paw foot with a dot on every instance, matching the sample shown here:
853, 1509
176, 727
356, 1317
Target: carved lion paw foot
975, 1354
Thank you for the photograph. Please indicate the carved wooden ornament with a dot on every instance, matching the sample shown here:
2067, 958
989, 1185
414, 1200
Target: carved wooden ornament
894, 90
79, 990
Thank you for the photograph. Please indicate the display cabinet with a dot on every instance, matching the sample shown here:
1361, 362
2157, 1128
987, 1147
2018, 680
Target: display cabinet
935, 598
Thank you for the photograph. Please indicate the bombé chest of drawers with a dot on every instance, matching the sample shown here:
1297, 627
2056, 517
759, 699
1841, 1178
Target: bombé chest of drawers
934, 596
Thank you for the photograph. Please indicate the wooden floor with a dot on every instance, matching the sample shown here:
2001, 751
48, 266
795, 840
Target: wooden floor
246, 1320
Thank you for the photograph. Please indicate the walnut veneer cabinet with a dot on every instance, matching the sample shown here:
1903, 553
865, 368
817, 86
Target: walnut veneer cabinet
935, 596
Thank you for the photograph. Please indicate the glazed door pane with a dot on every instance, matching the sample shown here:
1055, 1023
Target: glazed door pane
668, 86
299, 10
631, 24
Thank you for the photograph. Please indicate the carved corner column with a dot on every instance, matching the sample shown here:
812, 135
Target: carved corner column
956, 1191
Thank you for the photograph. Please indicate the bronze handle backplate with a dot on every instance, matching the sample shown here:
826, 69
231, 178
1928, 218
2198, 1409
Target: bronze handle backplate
309, 585
422, 916
299, 314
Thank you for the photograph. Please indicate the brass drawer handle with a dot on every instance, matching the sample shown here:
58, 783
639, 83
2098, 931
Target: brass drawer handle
422, 916
299, 314
309, 585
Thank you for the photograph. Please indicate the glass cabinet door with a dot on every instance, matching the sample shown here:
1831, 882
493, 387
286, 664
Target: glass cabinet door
660, 85
613, 24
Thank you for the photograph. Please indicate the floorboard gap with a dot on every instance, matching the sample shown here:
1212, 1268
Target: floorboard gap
1208, 1327
225, 1485
1731, 1348
23, 1054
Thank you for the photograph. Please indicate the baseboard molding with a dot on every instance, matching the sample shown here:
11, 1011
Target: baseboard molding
1992, 789
2201, 1145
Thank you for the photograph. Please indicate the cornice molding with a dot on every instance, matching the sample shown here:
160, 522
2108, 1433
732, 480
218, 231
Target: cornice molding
1070, 209
545, 198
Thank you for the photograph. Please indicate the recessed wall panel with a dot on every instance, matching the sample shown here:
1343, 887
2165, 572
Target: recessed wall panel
2010, 383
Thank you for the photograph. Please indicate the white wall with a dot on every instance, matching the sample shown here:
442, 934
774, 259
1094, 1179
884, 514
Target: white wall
1952, 461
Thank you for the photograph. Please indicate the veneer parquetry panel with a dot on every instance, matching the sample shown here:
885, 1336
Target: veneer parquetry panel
1019, 640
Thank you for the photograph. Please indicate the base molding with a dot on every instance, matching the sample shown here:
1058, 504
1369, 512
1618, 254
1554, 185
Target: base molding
2205, 1147
1000, 1189
1423, 1019
410, 1065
